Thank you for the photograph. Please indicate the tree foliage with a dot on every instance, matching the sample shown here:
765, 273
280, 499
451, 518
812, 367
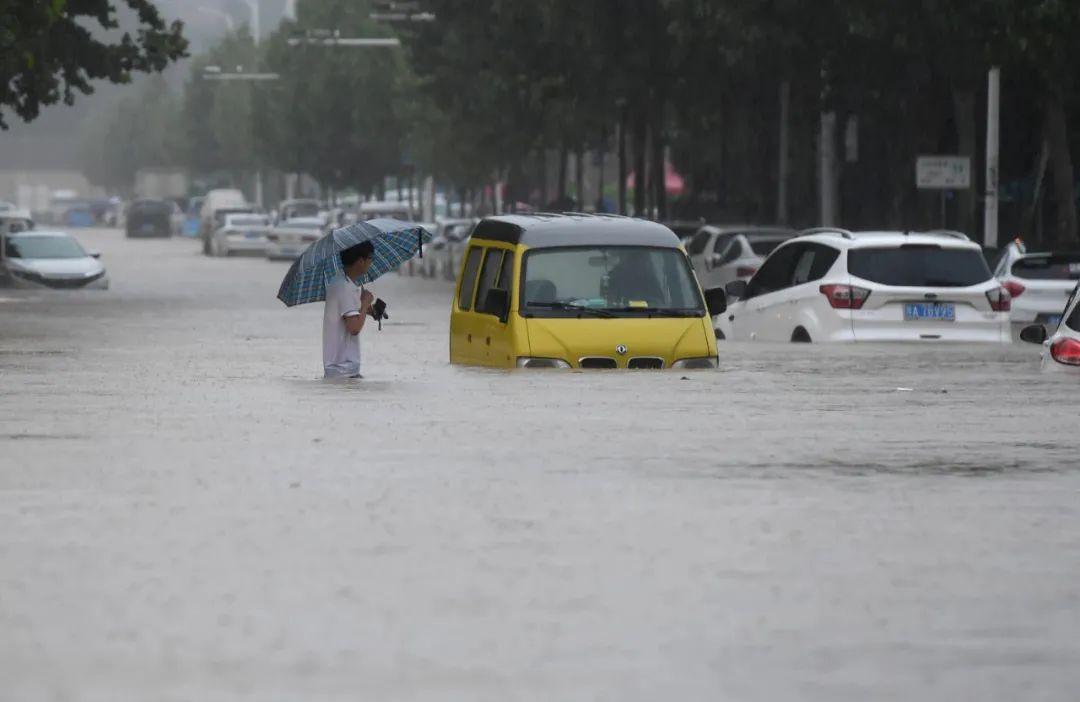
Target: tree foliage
48, 53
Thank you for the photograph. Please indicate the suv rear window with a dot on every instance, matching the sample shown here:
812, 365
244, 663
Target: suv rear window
764, 247
919, 266
1053, 267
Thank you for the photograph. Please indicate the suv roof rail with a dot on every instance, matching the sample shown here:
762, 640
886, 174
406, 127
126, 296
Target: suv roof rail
949, 233
827, 230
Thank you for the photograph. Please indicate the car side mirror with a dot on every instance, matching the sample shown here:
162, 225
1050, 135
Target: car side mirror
497, 303
716, 301
1034, 334
736, 289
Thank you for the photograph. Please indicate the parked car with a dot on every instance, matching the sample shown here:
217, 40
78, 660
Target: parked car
1038, 283
15, 220
832, 285
288, 240
147, 218
721, 254
685, 229
580, 291
49, 259
300, 207
215, 206
240, 232
1061, 350
191, 217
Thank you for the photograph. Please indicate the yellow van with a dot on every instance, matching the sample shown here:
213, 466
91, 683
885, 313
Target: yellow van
580, 291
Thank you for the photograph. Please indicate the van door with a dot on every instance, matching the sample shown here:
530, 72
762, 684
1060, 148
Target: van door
491, 337
462, 317
497, 335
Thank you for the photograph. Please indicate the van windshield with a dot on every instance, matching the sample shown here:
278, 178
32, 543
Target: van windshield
618, 280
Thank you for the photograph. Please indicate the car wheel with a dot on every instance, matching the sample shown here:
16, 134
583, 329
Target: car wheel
800, 336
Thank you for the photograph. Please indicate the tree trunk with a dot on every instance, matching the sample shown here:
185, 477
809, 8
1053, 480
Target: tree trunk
579, 178
639, 163
564, 155
1061, 166
964, 117
622, 161
659, 166
601, 161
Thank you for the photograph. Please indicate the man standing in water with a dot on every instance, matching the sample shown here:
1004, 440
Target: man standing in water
347, 308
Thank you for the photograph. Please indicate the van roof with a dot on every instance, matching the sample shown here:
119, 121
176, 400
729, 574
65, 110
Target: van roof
547, 230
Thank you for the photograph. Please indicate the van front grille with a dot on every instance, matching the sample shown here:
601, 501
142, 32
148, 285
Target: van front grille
646, 363
598, 362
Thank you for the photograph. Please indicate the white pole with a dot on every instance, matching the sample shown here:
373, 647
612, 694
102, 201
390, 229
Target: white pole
827, 175
993, 151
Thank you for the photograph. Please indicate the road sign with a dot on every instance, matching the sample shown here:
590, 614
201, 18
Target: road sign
943, 172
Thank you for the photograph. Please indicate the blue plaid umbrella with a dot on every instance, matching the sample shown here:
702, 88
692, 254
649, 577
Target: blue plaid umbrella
395, 243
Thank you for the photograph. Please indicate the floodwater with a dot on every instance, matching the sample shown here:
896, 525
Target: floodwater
189, 513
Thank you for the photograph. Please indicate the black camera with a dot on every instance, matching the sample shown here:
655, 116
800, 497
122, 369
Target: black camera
378, 311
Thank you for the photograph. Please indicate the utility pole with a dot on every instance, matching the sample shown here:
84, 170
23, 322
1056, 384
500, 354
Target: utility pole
784, 164
827, 175
993, 151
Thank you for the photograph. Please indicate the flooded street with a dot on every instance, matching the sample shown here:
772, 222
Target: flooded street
190, 513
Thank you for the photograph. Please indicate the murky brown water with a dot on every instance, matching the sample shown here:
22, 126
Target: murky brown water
189, 514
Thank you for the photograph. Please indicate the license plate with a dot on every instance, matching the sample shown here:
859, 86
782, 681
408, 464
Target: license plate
930, 311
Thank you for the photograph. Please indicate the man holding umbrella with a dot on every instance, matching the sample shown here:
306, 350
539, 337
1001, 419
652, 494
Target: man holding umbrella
334, 268
347, 307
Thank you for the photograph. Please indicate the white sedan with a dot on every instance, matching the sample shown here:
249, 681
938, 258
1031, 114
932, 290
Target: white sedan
291, 237
1061, 352
838, 286
50, 259
240, 233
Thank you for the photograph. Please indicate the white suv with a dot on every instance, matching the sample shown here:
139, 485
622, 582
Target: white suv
1040, 283
831, 285
1062, 350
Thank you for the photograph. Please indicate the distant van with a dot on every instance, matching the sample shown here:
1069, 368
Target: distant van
580, 291
215, 202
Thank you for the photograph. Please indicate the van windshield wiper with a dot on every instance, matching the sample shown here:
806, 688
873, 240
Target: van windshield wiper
571, 307
661, 311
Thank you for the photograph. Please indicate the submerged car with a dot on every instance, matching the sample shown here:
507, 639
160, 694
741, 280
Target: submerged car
721, 254
146, 218
832, 285
288, 239
241, 232
1039, 283
580, 291
50, 259
1062, 349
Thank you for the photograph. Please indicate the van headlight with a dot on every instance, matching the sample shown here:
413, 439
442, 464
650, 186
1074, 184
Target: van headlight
696, 363
526, 362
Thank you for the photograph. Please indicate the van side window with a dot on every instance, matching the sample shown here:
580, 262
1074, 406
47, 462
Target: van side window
488, 275
468, 279
506, 275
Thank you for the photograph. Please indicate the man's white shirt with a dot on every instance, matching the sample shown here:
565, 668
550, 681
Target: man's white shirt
341, 350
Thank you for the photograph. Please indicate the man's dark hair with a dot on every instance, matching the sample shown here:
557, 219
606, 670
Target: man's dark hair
351, 255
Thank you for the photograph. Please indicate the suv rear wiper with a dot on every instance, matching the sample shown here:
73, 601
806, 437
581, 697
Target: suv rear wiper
571, 307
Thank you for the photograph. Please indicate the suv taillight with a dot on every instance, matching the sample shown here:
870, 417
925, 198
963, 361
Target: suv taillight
845, 297
1000, 299
1015, 289
1066, 351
